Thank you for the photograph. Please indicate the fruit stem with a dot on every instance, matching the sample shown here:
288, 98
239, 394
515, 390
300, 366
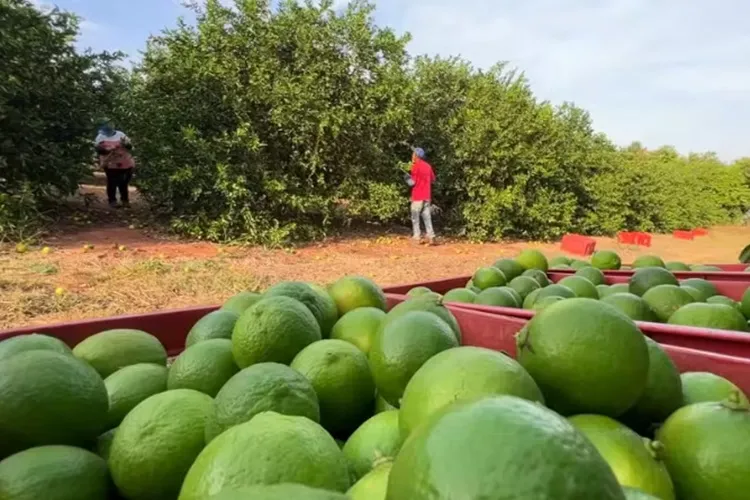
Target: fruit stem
655, 448
522, 339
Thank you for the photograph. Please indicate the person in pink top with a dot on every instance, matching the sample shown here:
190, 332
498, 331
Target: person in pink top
420, 180
114, 151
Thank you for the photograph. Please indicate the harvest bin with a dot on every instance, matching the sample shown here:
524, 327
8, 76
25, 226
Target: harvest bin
717, 341
482, 329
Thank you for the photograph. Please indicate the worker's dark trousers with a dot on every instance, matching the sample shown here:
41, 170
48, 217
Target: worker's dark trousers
118, 179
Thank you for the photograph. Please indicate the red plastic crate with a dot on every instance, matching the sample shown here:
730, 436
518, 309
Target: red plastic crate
643, 239
700, 231
578, 244
634, 238
684, 235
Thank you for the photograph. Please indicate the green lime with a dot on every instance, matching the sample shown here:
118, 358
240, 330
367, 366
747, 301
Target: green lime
556, 262
510, 268
706, 287
633, 306
496, 296
376, 440
592, 274
425, 304
358, 327
531, 298
353, 292
54, 472
704, 387
420, 290
606, 260
157, 442
259, 388
33, 342
488, 277
718, 316
131, 385
320, 304
677, 266
343, 382
111, 350
372, 486
544, 303
49, 398
634, 460
556, 290
239, 303
707, 451
649, 277
204, 367
275, 329
581, 286
648, 261
524, 285
665, 300
463, 373
214, 325
533, 259
402, 346
278, 492
484, 448
539, 276
461, 295
270, 448
578, 369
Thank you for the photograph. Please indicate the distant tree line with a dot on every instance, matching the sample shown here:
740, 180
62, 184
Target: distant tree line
270, 123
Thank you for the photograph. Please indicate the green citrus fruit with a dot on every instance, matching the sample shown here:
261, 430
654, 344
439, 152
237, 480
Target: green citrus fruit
241, 302
33, 342
49, 398
510, 268
531, 298
719, 316
460, 374
343, 382
496, 296
111, 350
287, 491
556, 290
581, 286
677, 266
707, 451
376, 440
592, 274
578, 264
259, 388
373, 485
131, 385
556, 262
402, 346
484, 448
157, 442
635, 461
275, 329
321, 305
663, 393
704, 387
533, 259
488, 277
578, 369
462, 295
665, 300
270, 448
706, 287
721, 299
635, 494
633, 306
204, 367
524, 285
648, 261
542, 304
417, 291
214, 325
54, 473
539, 276
426, 304
606, 260
359, 327
352, 292
649, 277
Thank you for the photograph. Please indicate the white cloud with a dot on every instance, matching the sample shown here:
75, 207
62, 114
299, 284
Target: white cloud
665, 71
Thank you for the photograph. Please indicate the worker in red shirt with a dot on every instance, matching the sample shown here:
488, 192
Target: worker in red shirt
420, 180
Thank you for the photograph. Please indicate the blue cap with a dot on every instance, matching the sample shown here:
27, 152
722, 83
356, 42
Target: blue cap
419, 152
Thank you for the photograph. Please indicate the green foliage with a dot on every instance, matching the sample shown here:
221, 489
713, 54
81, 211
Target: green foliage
49, 98
269, 122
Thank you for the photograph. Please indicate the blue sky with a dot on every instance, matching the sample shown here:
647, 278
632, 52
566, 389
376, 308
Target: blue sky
659, 71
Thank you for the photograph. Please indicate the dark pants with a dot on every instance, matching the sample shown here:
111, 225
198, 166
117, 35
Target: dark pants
118, 180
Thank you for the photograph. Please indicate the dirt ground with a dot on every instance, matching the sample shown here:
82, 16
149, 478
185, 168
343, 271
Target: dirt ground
104, 262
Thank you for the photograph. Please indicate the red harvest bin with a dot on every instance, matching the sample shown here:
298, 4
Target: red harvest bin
634, 238
578, 244
700, 231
